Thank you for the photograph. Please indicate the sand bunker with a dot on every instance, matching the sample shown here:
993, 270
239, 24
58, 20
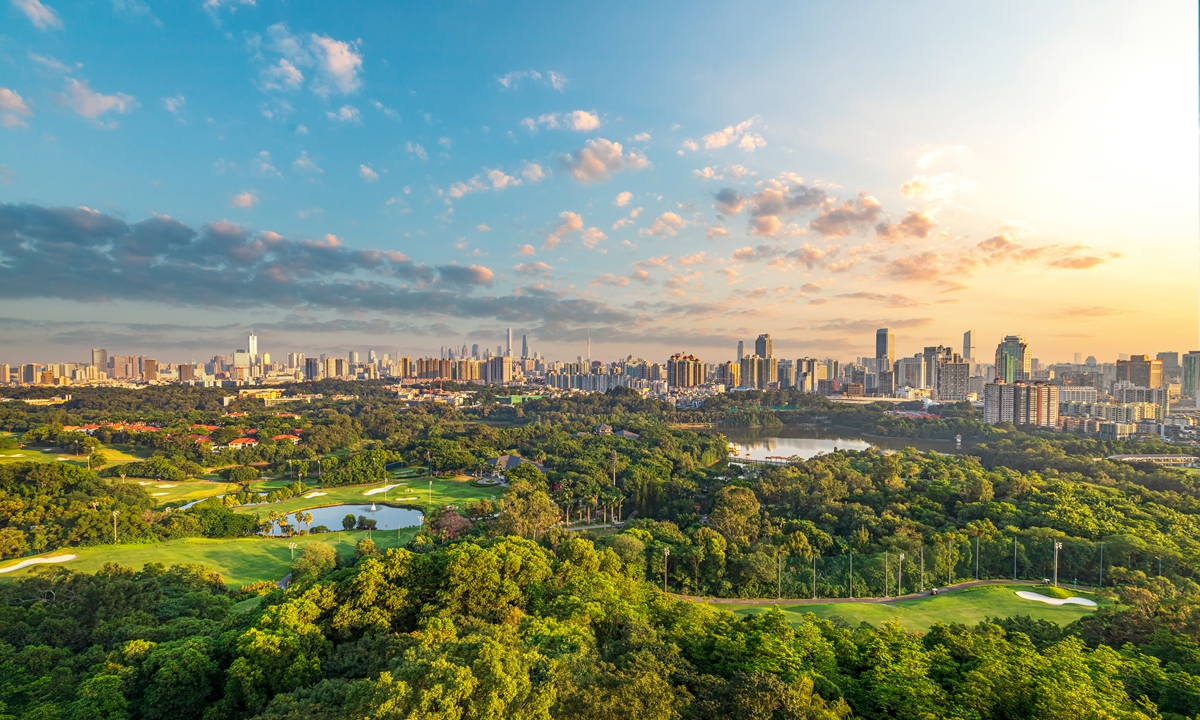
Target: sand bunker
407, 498
146, 482
314, 494
164, 487
1055, 601
385, 488
37, 561
158, 494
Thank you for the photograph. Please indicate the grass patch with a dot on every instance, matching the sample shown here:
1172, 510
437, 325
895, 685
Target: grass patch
240, 561
113, 454
968, 607
446, 491
182, 492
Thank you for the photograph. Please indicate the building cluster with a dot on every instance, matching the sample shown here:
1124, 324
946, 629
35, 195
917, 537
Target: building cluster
1134, 394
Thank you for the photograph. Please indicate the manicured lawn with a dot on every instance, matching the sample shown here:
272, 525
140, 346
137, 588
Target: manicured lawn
967, 606
240, 561
114, 455
165, 492
410, 492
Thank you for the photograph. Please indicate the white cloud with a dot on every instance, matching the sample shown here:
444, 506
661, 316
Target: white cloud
459, 189
41, 15
513, 80
244, 200
533, 172
416, 149
688, 145
385, 110
592, 237
483, 227
262, 164
708, 173
533, 268
500, 181
306, 164
717, 231
214, 5
91, 104
598, 158
367, 173
738, 134
346, 113
339, 62
445, 142
642, 137
665, 225
623, 199
751, 141
52, 63
931, 155
174, 104
526, 249
738, 171
570, 222
282, 75
12, 109
301, 130
583, 121
938, 187
558, 81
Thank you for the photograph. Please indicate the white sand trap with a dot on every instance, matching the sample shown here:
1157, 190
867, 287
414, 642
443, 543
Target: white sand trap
1055, 601
158, 494
314, 494
407, 498
164, 487
37, 561
385, 488
147, 482
16, 455
61, 459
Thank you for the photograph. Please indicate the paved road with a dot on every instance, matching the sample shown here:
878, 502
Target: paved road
823, 601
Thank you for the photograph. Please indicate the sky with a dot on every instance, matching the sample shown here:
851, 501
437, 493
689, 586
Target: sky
661, 177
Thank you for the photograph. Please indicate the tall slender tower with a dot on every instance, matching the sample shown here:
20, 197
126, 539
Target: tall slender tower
741, 350
763, 347
508, 344
524, 346
885, 349
968, 346
252, 347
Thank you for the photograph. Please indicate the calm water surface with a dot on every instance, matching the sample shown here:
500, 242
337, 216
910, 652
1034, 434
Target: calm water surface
808, 441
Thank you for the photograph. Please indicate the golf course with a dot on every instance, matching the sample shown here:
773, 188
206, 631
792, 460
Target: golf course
968, 606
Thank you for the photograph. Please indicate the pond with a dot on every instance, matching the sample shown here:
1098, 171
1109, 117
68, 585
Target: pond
386, 517
808, 441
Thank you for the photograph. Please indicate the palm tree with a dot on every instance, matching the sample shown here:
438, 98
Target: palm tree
308, 518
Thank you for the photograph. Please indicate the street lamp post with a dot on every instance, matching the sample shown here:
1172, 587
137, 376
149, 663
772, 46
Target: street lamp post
431, 493
115, 513
1057, 547
900, 578
292, 547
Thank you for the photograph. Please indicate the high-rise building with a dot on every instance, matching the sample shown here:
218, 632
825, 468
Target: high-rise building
910, 372
524, 347
372, 358
508, 344
1191, 375
353, 356
312, 369
684, 371
1078, 359
150, 370
885, 349
499, 370
1141, 371
741, 350
295, 361
474, 351
728, 374
1020, 403
763, 347
100, 359
969, 346
1013, 361
252, 346
953, 380
187, 372
934, 356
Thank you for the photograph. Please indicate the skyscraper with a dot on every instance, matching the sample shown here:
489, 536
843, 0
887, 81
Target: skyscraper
100, 359
252, 346
1013, 361
885, 349
1141, 371
524, 346
763, 347
968, 347
508, 344
741, 350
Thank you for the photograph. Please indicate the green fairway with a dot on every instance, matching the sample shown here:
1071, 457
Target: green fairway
165, 492
112, 456
408, 492
968, 606
240, 561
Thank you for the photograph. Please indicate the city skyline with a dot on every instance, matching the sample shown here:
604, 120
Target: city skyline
335, 182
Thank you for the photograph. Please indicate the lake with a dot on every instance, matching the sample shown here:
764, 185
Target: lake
386, 517
808, 441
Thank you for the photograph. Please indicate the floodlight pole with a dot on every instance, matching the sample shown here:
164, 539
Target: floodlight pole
900, 578
1057, 547
292, 547
115, 513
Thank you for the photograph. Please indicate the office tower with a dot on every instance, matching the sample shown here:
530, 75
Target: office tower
1141, 371
969, 346
475, 351
353, 357
910, 372
763, 347
1078, 359
372, 358
741, 350
100, 359
508, 344
242, 359
252, 346
150, 370
1013, 361
684, 371
499, 370
885, 349
524, 347
295, 361
187, 372
312, 369
934, 356
266, 358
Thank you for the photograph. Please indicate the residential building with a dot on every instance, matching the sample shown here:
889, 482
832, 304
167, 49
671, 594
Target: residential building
728, 374
763, 347
684, 371
935, 356
100, 359
1191, 375
150, 370
953, 380
910, 372
1140, 370
1021, 403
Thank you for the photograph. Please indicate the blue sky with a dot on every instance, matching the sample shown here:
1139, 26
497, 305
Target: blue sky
666, 177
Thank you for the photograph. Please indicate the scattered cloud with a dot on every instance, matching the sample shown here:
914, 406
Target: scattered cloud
337, 64
41, 15
931, 155
599, 158
623, 199
262, 165
346, 113
282, 75
717, 231
214, 6
583, 121
735, 172
850, 216
461, 189
367, 173
134, 8
500, 180
642, 137
578, 120
533, 268
610, 279
569, 222
892, 300
244, 200
306, 164
592, 237
526, 250
513, 80
174, 104
483, 227
416, 149
938, 187
13, 109
533, 172
665, 225
90, 104
733, 134
916, 224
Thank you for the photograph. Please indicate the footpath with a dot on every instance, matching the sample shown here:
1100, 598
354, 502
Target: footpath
942, 590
